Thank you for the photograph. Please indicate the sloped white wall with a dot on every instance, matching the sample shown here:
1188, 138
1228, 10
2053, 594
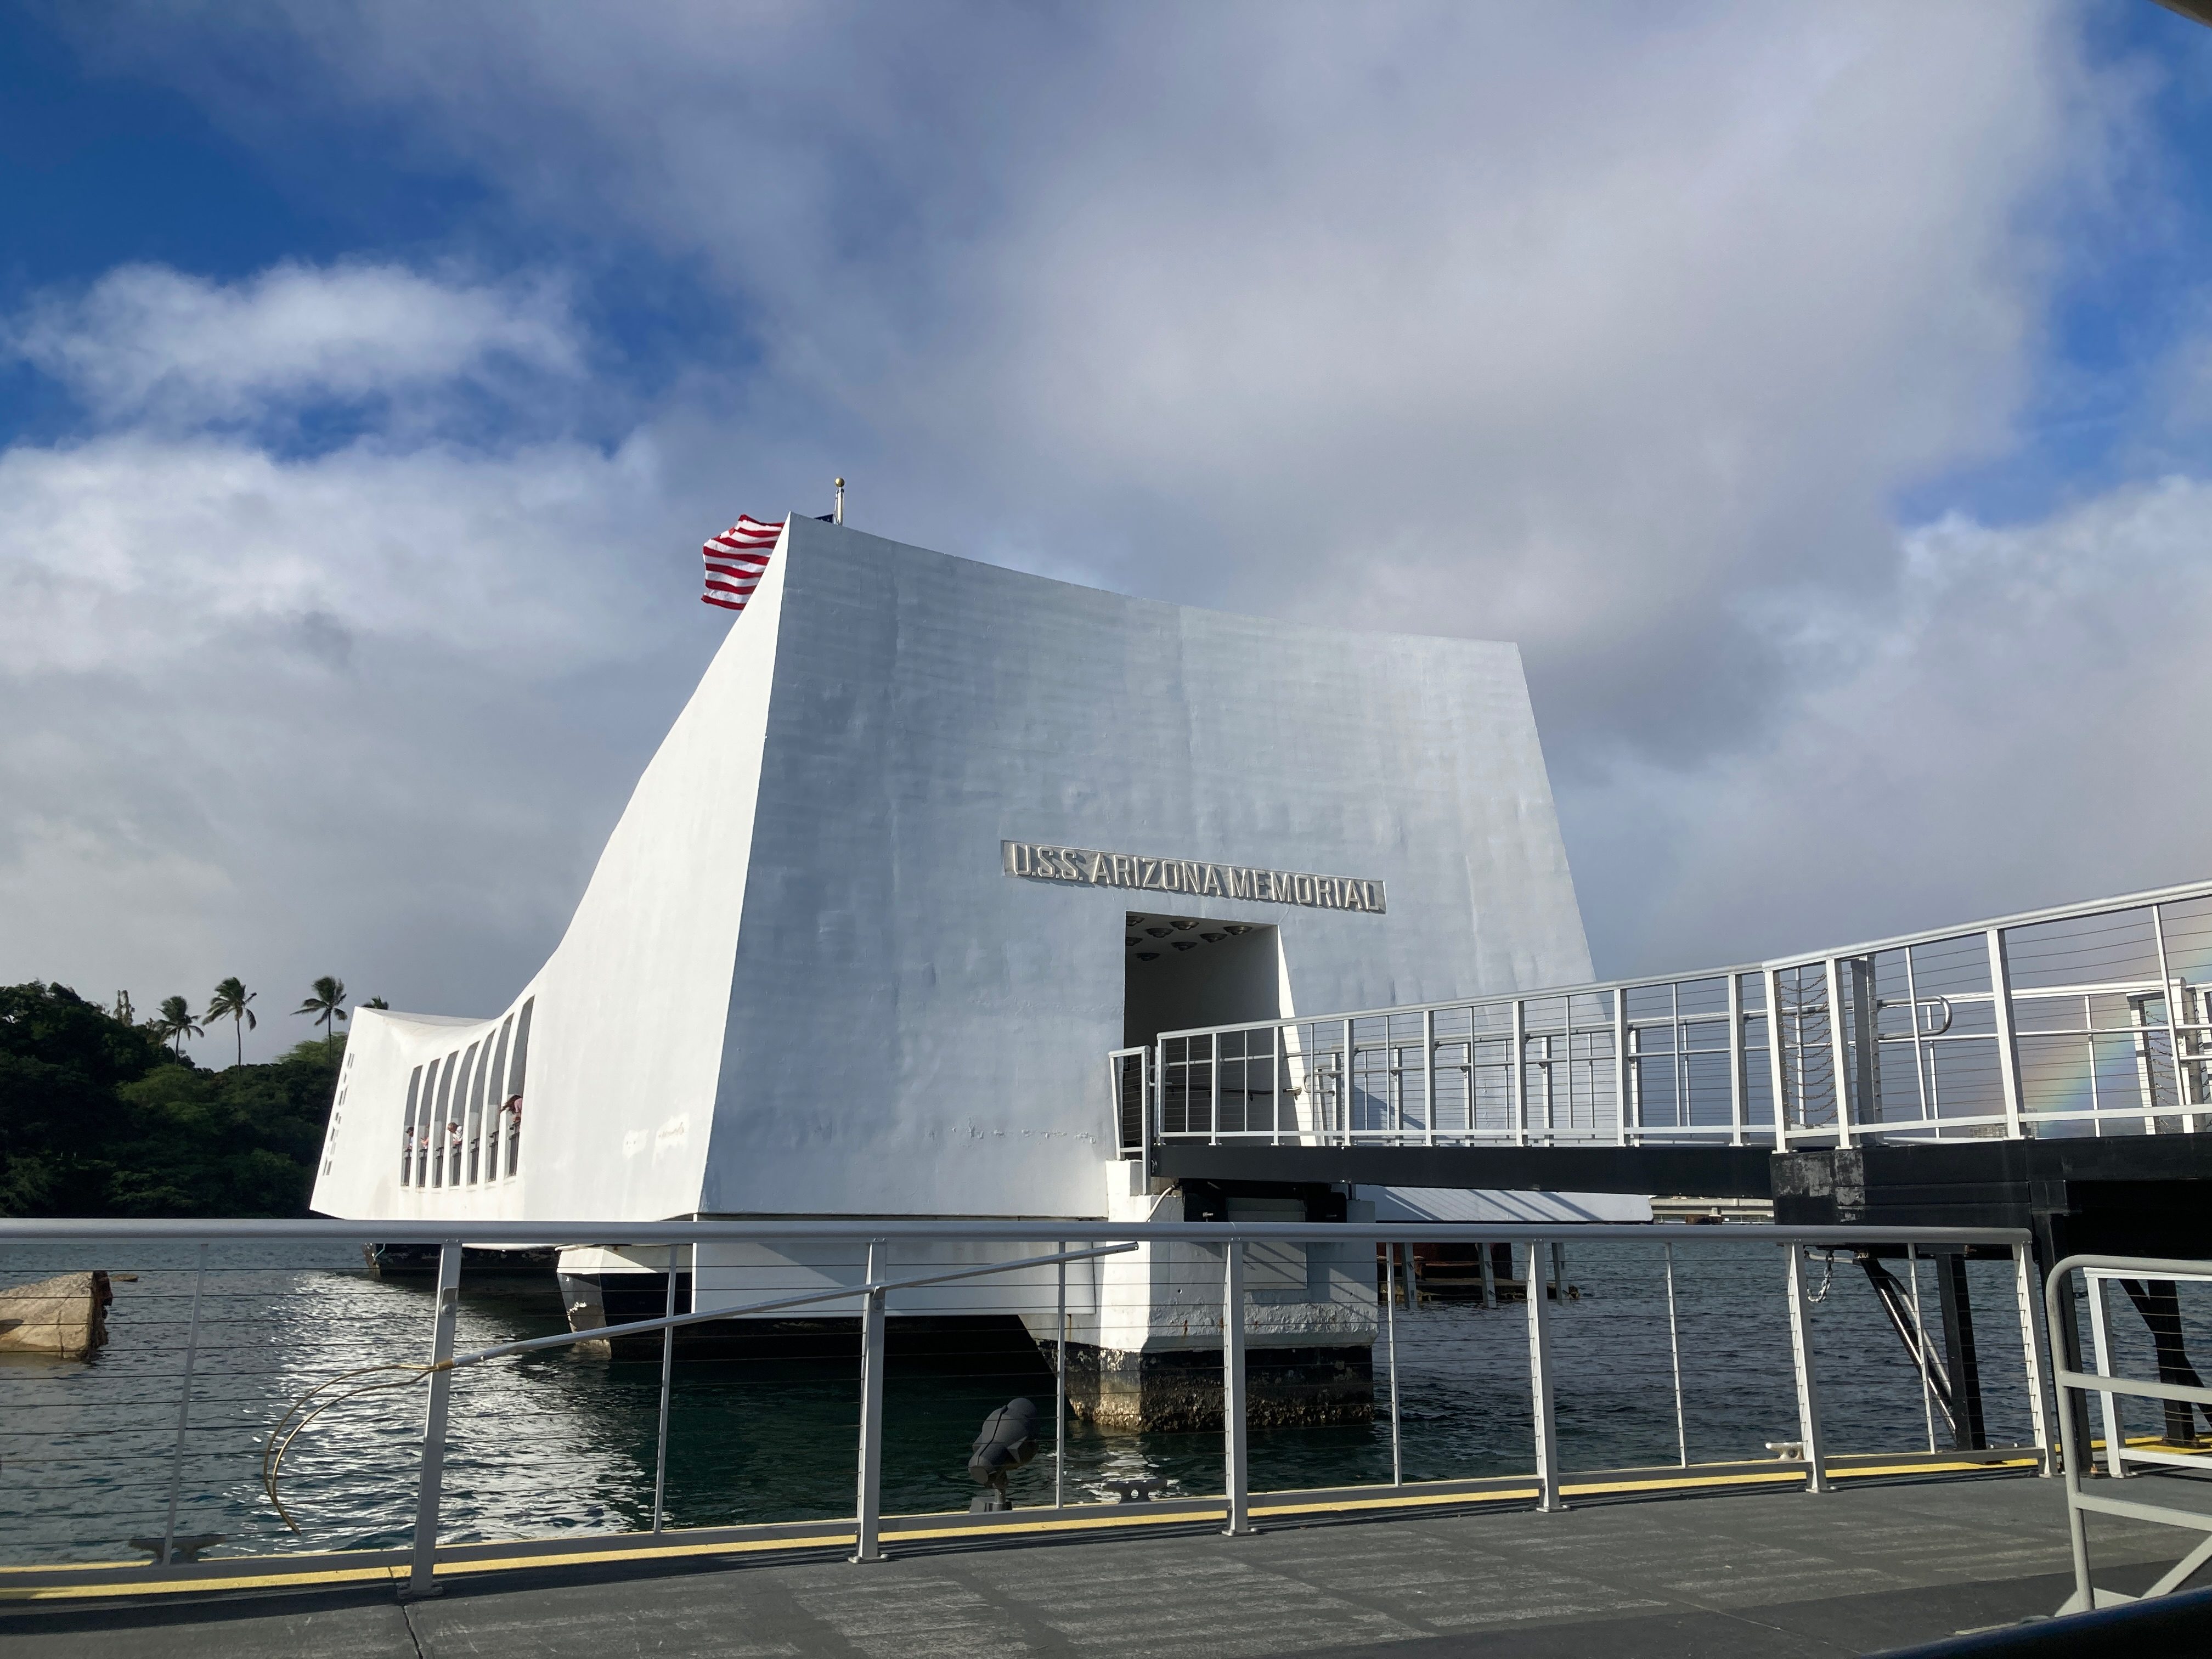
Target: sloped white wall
912, 1031
626, 1038
800, 983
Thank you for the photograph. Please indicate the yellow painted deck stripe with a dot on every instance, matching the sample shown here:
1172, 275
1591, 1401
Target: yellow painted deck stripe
1148, 1515
1409, 1500
1937, 1469
1165, 1517
644, 1553
1759, 1477
171, 1586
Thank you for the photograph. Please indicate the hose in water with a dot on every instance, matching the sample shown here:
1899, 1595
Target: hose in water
280, 1440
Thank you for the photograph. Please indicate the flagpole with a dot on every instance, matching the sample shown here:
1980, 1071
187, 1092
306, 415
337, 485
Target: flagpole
838, 514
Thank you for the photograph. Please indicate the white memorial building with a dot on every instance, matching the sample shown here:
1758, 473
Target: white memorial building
930, 840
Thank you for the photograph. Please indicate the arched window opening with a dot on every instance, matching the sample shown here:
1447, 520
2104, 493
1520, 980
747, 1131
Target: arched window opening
455, 1116
407, 1130
497, 1104
441, 1118
514, 1085
476, 1111
423, 1112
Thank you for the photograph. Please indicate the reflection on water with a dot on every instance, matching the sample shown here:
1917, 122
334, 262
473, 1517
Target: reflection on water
558, 1442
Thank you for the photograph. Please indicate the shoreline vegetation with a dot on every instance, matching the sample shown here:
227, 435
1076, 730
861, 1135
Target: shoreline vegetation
100, 1116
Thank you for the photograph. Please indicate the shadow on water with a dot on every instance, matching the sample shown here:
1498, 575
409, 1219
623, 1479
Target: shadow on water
562, 1442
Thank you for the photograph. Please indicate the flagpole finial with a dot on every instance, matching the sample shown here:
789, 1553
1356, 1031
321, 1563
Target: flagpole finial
840, 510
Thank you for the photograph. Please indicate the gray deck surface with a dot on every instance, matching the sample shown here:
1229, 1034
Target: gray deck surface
1784, 1574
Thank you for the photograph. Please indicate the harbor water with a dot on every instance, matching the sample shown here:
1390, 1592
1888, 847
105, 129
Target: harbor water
563, 1443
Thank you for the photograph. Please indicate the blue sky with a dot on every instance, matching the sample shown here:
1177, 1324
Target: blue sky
1820, 396
2126, 300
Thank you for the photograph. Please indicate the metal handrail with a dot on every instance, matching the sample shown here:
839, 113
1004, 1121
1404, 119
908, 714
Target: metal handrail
2057, 1298
1230, 1238
1802, 1037
1799, 959
867, 1229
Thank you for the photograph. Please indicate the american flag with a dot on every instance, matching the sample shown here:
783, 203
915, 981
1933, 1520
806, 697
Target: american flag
735, 559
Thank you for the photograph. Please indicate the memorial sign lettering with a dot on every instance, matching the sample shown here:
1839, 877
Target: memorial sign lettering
1084, 867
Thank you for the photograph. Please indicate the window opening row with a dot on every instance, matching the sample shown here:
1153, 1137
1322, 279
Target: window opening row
465, 1111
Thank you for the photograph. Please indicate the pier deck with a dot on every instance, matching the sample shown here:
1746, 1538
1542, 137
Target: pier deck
1780, 1575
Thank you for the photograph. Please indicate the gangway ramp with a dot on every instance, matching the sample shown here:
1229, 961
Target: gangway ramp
2050, 1070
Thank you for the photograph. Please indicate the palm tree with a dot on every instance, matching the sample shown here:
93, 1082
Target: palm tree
376, 1002
230, 1003
326, 1002
176, 1023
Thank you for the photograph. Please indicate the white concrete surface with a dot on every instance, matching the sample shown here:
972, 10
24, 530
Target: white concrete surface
800, 981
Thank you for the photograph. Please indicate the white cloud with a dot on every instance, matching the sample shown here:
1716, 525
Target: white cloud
145, 338
138, 551
1579, 326
2024, 725
283, 714
362, 713
1618, 331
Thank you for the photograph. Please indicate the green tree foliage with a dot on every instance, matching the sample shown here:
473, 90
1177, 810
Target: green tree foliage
229, 1002
176, 1023
98, 1118
326, 1002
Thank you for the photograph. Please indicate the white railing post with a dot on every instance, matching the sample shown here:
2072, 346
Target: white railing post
2008, 1045
1621, 1087
1278, 1072
1429, 1073
2100, 1349
1153, 1085
1235, 1475
2032, 1355
1739, 1068
1774, 1067
421, 1573
1675, 1352
667, 1373
1519, 1078
2179, 1013
1213, 1093
1391, 1329
1349, 1092
1540, 1384
1808, 1385
1840, 1060
183, 1412
2057, 1303
868, 1504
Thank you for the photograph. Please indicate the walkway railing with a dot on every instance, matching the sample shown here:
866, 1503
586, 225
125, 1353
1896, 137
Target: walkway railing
250, 1382
2153, 1285
2088, 1018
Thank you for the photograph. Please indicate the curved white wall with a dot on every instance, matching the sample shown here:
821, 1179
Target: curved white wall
800, 981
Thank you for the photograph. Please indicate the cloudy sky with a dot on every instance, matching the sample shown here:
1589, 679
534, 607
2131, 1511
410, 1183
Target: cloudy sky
1820, 395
